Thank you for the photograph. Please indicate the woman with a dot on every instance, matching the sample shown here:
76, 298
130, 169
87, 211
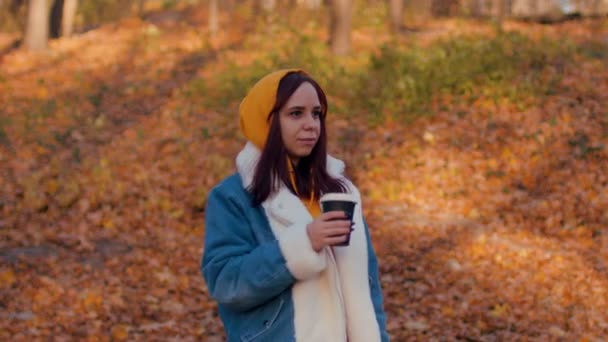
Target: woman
268, 257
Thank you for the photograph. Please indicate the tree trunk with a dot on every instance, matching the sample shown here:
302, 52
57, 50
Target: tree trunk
213, 18
141, 6
340, 26
474, 7
268, 5
69, 13
445, 8
15, 5
418, 13
227, 5
62, 18
396, 13
310, 4
37, 30
56, 18
501, 11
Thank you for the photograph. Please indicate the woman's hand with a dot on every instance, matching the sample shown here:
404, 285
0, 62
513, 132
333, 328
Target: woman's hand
328, 229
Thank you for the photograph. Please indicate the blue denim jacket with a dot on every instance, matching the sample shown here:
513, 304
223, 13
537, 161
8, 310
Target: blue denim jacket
246, 272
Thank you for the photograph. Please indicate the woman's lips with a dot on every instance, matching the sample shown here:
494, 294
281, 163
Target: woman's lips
308, 141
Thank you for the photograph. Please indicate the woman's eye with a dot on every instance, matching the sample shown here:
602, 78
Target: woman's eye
317, 113
296, 113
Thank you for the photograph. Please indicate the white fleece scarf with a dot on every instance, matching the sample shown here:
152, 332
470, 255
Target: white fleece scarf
320, 311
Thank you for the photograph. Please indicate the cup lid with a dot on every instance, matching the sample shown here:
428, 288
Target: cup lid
337, 196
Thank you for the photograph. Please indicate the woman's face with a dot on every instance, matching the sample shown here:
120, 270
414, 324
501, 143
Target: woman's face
300, 121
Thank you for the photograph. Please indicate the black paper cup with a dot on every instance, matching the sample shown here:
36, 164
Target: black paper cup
339, 202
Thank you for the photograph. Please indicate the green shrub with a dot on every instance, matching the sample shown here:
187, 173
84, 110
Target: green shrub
595, 49
402, 81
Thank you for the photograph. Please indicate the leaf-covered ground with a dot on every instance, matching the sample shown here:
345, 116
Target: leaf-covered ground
489, 219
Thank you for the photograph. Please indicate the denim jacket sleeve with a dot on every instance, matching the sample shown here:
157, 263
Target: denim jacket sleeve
375, 288
240, 272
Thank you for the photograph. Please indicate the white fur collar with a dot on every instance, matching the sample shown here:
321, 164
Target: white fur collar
282, 205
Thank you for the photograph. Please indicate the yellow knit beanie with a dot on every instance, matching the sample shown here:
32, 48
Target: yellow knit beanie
256, 106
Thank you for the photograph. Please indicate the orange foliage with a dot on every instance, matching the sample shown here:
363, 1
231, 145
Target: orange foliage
487, 226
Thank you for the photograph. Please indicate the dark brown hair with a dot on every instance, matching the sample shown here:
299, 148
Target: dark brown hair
311, 174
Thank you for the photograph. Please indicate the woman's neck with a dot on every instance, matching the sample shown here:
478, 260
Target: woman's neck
294, 161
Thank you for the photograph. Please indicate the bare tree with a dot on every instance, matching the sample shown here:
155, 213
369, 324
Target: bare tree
501, 12
37, 29
62, 18
268, 5
263, 7
55, 19
442, 8
475, 8
310, 4
15, 5
396, 14
213, 18
69, 13
141, 6
340, 25
228, 5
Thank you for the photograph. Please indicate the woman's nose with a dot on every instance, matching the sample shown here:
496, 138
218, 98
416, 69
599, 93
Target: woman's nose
309, 122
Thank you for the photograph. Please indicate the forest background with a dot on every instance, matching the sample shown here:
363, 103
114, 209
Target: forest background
477, 131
